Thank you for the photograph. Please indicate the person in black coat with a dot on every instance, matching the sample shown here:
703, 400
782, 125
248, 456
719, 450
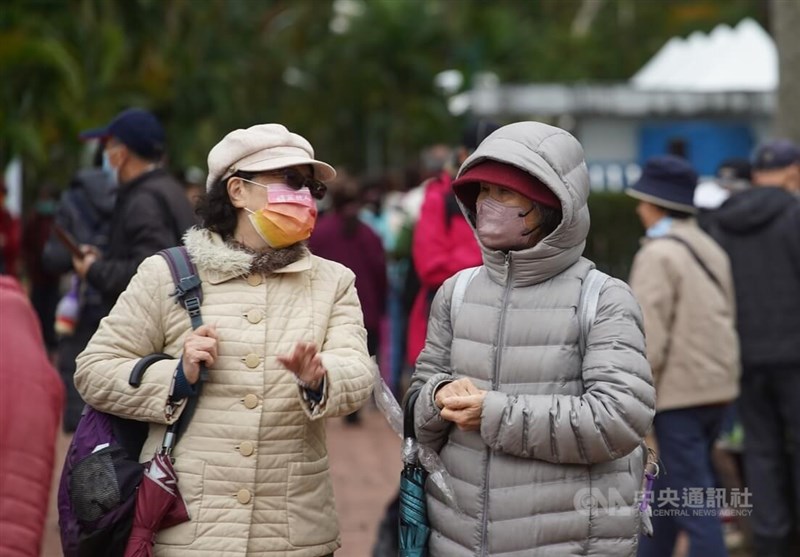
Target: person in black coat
84, 211
759, 228
151, 211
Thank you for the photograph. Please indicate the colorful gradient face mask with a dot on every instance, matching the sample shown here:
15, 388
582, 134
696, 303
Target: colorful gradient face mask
287, 218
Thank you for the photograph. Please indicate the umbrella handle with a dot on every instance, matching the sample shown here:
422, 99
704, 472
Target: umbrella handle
169, 440
174, 430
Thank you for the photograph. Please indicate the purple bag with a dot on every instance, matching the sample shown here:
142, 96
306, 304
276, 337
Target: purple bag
97, 488
101, 473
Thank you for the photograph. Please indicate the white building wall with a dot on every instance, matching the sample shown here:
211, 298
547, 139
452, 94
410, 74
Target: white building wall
611, 149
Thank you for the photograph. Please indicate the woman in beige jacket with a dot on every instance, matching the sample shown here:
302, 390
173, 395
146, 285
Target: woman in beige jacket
284, 344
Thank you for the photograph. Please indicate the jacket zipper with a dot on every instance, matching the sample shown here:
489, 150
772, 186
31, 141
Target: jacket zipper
484, 549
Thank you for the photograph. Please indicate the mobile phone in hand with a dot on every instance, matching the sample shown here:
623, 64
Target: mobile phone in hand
68, 241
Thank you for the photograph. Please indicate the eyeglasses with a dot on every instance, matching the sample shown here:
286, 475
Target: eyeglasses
297, 180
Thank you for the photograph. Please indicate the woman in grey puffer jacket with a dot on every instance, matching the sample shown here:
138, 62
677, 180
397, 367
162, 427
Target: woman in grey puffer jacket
530, 430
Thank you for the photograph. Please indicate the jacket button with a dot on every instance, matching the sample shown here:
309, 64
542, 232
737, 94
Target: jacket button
254, 316
250, 401
252, 360
254, 279
246, 448
243, 496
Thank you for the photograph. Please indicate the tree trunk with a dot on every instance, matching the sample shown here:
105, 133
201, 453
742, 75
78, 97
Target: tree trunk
785, 16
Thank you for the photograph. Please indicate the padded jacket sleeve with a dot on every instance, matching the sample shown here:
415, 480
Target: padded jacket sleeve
349, 380
132, 330
432, 370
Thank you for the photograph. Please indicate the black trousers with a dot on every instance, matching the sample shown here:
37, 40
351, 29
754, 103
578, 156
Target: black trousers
769, 406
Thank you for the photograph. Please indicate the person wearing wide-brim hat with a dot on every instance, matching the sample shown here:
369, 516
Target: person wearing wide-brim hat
284, 344
682, 280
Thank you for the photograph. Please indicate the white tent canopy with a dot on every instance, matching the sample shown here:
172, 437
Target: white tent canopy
742, 59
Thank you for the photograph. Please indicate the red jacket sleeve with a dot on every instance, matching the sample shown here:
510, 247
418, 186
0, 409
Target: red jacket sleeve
31, 401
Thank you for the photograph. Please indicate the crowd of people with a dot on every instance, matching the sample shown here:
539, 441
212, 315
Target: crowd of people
536, 379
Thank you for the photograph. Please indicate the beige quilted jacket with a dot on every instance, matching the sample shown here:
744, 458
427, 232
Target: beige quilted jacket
253, 465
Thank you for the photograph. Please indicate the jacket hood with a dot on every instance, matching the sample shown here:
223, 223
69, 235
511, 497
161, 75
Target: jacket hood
98, 187
753, 208
224, 261
556, 158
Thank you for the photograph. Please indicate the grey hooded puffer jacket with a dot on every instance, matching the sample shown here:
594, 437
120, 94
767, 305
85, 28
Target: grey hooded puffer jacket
558, 430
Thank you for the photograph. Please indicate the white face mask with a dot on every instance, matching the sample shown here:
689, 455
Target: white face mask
112, 172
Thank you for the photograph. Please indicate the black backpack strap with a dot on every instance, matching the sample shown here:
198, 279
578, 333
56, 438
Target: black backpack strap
188, 293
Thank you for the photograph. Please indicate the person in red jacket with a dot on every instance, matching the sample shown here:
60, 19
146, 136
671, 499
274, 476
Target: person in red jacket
31, 402
443, 240
443, 244
10, 233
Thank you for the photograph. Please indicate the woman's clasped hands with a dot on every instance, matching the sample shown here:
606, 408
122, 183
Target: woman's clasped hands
461, 402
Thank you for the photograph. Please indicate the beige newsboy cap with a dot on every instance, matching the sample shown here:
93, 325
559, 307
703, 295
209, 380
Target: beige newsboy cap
261, 148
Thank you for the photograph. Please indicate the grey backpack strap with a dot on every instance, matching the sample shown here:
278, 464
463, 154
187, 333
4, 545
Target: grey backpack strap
188, 287
587, 307
188, 293
463, 278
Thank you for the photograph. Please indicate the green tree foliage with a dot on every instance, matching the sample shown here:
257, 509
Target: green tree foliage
354, 76
615, 232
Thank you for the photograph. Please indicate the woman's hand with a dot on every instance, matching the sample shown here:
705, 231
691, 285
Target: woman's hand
306, 365
199, 346
459, 387
464, 411
461, 402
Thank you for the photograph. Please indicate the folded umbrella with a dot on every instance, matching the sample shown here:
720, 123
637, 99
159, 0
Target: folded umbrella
159, 505
414, 529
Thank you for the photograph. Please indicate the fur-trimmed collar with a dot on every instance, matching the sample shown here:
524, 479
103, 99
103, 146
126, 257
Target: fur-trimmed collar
226, 260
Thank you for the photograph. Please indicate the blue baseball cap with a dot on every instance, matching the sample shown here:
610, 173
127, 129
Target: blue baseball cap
137, 129
668, 182
778, 153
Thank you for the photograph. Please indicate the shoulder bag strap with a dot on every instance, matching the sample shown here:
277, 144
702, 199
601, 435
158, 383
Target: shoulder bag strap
189, 293
697, 258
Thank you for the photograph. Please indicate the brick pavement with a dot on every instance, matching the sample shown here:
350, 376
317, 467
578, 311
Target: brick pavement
365, 466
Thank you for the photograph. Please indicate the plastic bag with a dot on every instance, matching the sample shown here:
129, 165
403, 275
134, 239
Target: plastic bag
411, 451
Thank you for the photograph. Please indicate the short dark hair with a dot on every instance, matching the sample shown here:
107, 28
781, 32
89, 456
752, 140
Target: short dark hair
215, 209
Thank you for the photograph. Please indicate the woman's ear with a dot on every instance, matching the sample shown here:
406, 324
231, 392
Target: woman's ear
237, 192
